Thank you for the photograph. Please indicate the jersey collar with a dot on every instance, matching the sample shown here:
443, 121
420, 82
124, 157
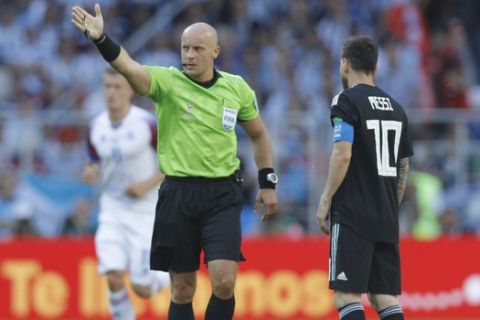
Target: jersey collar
209, 83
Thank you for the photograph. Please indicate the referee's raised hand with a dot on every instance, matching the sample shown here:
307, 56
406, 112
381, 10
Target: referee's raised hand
91, 26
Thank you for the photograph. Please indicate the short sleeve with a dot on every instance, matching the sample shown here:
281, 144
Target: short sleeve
249, 109
152, 124
161, 81
342, 108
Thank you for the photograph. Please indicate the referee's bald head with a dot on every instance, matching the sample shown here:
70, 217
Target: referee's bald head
199, 51
203, 30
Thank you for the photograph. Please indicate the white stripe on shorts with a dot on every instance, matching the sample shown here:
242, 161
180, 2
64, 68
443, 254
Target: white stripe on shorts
333, 249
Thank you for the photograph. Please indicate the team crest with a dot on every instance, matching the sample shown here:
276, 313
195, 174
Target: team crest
189, 107
229, 118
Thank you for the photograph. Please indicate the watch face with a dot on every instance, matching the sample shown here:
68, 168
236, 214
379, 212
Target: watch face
272, 177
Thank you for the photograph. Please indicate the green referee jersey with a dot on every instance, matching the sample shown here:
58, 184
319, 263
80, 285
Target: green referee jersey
196, 124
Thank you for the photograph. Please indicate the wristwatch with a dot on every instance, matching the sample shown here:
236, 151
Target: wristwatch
272, 177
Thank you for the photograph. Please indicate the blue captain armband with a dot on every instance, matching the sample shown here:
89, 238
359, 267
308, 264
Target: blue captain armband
342, 130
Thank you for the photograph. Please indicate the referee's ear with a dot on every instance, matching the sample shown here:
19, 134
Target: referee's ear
216, 52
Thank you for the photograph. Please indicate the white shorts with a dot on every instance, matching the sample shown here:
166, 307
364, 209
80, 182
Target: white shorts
124, 245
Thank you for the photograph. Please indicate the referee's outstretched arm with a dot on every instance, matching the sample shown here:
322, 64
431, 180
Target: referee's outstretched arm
119, 59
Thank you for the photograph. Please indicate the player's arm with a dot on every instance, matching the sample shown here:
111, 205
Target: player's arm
262, 150
92, 27
339, 162
338, 167
90, 173
403, 169
138, 189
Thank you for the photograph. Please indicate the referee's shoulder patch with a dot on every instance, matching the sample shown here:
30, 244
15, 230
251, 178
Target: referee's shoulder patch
335, 100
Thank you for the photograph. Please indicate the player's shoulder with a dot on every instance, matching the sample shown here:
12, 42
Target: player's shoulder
233, 79
141, 114
335, 99
358, 90
99, 125
229, 76
101, 119
340, 98
395, 104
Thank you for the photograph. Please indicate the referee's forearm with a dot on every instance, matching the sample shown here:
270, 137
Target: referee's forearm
134, 72
262, 151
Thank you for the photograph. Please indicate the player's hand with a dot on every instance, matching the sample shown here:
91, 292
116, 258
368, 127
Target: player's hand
92, 26
90, 173
269, 198
137, 190
322, 214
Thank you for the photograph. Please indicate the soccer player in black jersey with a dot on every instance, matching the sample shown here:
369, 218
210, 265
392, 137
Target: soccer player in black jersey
365, 185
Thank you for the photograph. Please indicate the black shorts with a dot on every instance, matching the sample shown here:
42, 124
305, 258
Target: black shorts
194, 214
360, 265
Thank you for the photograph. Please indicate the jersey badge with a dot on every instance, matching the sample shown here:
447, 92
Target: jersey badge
229, 118
188, 115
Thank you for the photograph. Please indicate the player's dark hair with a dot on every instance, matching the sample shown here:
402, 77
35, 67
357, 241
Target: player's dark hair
361, 52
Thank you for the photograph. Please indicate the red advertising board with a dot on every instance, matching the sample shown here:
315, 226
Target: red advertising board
282, 279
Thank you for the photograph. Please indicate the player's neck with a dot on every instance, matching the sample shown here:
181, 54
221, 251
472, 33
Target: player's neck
355, 78
118, 115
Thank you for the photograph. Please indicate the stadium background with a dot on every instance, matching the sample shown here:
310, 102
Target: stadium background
288, 51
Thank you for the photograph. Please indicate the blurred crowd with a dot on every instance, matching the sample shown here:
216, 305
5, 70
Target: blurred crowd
288, 51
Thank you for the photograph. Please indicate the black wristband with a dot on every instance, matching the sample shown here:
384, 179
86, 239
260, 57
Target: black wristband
267, 178
109, 49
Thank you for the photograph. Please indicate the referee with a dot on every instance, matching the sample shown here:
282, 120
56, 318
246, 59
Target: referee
199, 203
365, 185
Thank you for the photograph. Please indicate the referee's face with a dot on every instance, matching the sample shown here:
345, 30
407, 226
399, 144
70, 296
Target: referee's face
199, 50
117, 92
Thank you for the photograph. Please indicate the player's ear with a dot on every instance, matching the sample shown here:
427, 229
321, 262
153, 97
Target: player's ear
344, 66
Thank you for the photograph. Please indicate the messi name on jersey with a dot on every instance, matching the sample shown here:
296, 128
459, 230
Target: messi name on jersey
380, 103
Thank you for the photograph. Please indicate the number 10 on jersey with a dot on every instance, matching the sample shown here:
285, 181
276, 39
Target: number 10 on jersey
381, 129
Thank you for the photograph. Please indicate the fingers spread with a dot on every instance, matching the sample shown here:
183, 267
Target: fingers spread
98, 12
77, 17
79, 25
80, 14
84, 12
257, 204
274, 207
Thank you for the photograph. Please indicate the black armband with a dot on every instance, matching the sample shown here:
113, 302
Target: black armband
267, 179
109, 49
